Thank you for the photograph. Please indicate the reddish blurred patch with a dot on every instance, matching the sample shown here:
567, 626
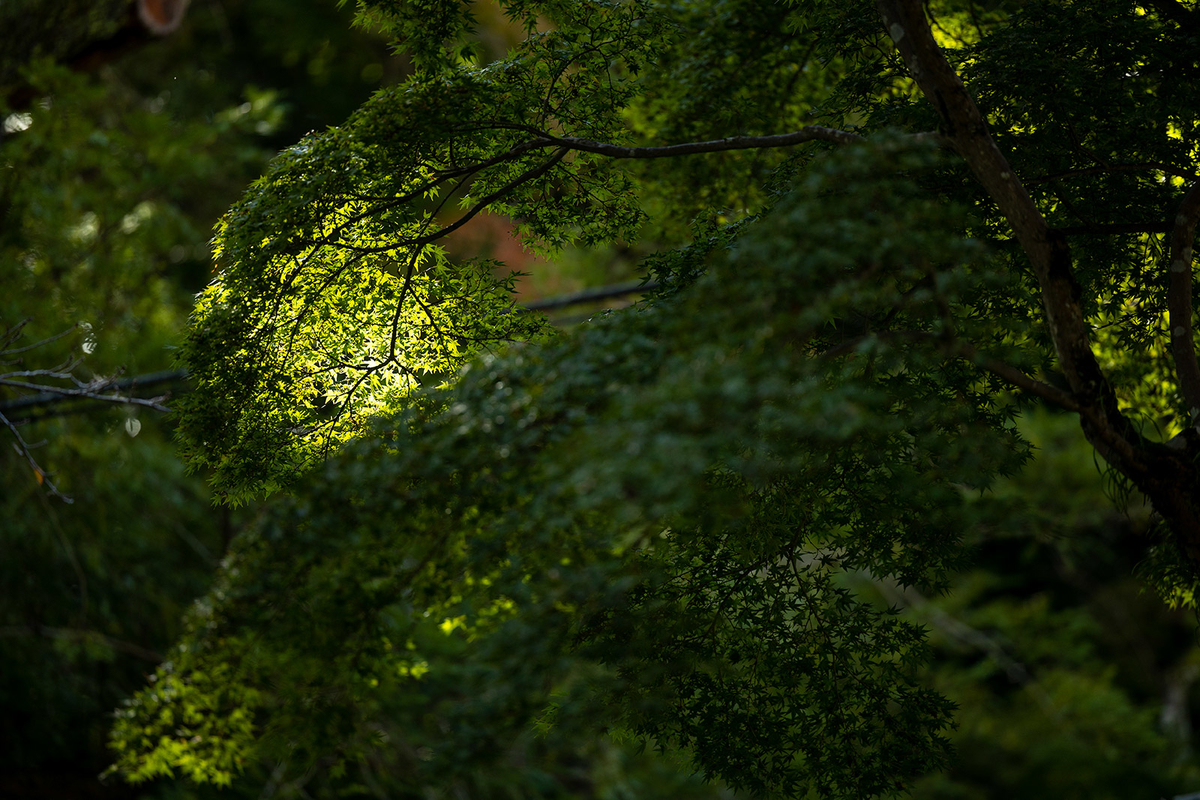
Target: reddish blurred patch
491, 236
161, 16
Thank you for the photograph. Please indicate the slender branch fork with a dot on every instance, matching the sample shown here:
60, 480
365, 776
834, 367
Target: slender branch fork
24, 449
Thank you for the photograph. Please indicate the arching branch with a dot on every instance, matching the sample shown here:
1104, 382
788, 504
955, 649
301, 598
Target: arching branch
810, 133
563, 146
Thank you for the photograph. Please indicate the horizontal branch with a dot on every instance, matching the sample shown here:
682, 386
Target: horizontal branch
1016, 377
56, 396
49, 395
590, 295
566, 144
810, 133
85, 394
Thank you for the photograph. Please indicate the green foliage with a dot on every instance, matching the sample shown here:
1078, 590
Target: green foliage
100, 195
641, 513
106, 202
669, 525
1070, 677
334, 301
110, 183
93, 590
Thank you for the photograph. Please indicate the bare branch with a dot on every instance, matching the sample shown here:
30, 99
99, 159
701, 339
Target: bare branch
591, 295
50, 395
11, 334
87, 394
23, 449
97, 390
1179, 299
953, 628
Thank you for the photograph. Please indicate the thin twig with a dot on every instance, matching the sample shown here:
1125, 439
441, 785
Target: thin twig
22, 449
37, 344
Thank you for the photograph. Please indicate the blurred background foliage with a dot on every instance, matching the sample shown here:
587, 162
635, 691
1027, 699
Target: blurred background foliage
1071, 680
111, 179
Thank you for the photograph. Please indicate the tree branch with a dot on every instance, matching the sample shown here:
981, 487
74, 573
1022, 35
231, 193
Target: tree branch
591, 295
567, 144
86, 394
23, 449
1179, 300
953, 628
1046, 249
525, 177
963, 349
1016, 377
809, 133
49, 395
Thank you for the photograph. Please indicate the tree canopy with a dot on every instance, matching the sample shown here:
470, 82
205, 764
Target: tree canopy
882, 232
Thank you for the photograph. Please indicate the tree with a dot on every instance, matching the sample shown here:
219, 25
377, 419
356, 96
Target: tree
654, 527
